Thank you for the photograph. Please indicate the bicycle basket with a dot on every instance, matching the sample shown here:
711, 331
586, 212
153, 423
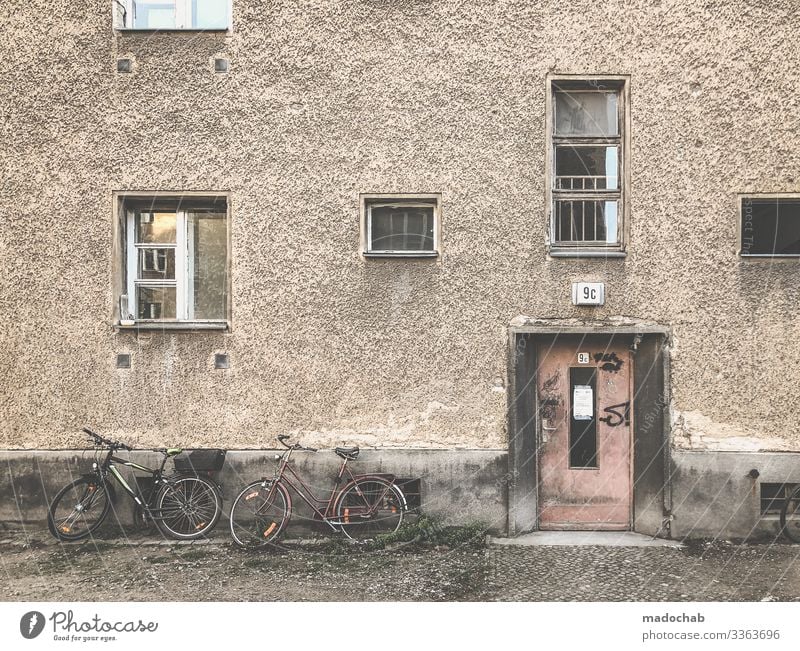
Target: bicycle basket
200, 461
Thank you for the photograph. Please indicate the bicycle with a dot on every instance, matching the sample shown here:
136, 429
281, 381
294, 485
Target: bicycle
366, 506
790, 516
184, 505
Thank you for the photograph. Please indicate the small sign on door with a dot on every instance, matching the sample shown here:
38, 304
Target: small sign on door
583, 358
582, 402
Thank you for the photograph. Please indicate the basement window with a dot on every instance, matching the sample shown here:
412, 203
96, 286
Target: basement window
172, 14
770, 226
587, 189
773, 496
401, 225
175, 268
412, 490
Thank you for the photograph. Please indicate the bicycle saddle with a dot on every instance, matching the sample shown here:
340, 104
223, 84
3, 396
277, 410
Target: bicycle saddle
348, 453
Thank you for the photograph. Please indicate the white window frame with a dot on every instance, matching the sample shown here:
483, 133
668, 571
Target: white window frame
740, 200
126, 317
370, 201
578, 248
124, 11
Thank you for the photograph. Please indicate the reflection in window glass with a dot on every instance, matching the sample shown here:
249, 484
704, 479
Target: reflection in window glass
586, 168
582, 113
154, 14
155, 227
209, 14
156, 264
208, 265
586, 220
155, 302
771, 226
401, 228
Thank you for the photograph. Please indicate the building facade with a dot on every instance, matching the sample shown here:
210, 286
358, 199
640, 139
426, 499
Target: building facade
540, 255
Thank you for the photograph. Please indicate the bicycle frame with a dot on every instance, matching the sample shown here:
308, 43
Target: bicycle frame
108, 467
314, 502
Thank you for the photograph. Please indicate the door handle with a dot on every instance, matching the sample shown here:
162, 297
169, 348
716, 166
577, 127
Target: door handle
545, 422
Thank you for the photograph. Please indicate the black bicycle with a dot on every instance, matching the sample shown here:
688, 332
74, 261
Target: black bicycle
184, 505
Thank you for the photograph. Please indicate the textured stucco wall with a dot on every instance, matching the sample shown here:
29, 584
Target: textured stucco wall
326, 99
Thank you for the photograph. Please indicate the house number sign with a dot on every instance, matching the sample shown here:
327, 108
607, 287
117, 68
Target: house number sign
588, 293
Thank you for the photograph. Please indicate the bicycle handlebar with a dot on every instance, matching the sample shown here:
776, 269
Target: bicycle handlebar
116, 445
282, 438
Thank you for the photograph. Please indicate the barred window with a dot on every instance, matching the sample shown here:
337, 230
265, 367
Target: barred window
587, 151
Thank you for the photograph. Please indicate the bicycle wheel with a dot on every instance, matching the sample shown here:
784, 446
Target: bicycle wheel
370, 507
78, 509
187, 507
260, 513
790, 516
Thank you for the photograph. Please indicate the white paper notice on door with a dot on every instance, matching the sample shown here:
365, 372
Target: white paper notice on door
582, 402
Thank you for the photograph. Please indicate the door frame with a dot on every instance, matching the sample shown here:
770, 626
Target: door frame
650, 462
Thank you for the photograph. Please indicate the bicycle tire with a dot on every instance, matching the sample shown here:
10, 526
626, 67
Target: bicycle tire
790, 516
370, 507
187, 507
258, 519
81, 497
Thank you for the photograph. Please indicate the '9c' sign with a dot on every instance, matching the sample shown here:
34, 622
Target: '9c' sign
588, 293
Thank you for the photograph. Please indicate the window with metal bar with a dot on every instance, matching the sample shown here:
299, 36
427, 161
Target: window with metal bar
587, 138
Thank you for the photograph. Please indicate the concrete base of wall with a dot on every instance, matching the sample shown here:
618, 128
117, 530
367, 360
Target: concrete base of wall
714, 494
457, 486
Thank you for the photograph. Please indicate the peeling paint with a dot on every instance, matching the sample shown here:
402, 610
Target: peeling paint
692, 430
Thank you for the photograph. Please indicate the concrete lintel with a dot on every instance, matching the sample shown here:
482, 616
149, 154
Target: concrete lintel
528, 325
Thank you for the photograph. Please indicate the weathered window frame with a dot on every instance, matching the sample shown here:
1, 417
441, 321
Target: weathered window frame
125, 265
123, 12
373, 200
621, 85
740, 212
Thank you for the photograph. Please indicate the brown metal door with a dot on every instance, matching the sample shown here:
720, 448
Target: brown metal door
584, 405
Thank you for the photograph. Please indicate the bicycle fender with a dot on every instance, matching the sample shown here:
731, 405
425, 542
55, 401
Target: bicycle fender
379, 475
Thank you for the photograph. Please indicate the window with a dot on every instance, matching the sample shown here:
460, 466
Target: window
587, 185
770, 226
401, 225
173, 14
176, 260
773, 496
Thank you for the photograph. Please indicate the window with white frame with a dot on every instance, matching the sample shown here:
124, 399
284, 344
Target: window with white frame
176, 260
770, 226
401, 225
587, 183
173, 14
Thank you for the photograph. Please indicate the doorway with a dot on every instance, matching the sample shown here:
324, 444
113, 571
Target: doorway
579, 456
584, 406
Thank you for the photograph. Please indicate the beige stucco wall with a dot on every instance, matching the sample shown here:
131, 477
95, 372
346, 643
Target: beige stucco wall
326, 99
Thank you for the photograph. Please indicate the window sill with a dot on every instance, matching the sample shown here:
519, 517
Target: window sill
172, 326
586, 253
178, 30
769, 256
409, 254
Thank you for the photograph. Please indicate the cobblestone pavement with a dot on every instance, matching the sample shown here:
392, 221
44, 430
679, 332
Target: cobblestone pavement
143, 569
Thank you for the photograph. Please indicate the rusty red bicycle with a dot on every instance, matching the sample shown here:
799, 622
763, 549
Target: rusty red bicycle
365, 507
